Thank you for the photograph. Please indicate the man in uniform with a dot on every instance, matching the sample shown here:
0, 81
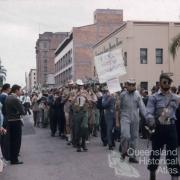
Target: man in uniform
108, 103
80, 118
68, 94
130, 104
161, 109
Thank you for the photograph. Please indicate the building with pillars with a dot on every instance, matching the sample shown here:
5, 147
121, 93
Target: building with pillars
145, 49
45, 47
74, 56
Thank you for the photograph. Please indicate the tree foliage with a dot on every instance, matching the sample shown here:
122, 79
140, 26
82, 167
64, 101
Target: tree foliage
175, 45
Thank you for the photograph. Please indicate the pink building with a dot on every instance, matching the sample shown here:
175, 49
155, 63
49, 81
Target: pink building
145, 49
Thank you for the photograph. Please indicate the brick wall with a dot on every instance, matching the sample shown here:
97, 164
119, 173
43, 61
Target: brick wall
45, 46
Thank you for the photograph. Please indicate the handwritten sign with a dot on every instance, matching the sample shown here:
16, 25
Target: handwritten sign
109, 65
113, 85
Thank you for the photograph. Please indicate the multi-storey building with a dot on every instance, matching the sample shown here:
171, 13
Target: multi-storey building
45, 47
145, 49
74, 56
32, 79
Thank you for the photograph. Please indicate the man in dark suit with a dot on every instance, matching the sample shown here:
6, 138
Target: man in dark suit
14, 109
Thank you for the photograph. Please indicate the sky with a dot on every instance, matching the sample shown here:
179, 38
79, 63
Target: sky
21, 22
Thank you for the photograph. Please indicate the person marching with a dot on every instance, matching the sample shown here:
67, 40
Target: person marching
108, 103
26, 101
102, 123
69, 94
35, 109
80, 118
161, 109
130, 104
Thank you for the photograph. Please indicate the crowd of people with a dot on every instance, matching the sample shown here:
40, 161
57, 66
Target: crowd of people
78, 111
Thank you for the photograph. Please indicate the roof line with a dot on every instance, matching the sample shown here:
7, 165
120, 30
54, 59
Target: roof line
85, 25
109, 35
135, 22
68, 37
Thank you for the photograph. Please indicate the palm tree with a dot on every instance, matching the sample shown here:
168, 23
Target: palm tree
175, 45
2, 74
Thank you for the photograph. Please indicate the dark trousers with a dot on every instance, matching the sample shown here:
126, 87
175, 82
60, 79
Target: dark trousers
103, 128
142, 129
53, 125
165, 135
27, 108
15, 134
109, 127
73, 135
62, 124
81, 128
4, 141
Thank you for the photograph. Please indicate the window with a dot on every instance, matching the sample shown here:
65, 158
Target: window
45, 54
143, 55
159, 56
144, 85
125, 58
45, 44
45, 69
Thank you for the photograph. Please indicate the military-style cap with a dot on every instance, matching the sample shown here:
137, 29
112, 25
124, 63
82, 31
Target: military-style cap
165, 76
131, 81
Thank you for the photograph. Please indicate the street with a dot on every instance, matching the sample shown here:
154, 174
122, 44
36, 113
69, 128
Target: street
50, 158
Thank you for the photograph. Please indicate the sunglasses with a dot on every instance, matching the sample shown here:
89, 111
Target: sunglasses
131, 85
166, 82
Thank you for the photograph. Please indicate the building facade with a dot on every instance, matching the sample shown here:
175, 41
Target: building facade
32, 79
145, 49
74, 56
45, 47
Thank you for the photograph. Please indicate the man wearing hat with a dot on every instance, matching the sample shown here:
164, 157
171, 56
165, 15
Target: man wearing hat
161, 109
80, 116
130, 105
68, 94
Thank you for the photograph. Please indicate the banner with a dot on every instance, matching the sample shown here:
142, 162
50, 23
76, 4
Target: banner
109, 65
113, 85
